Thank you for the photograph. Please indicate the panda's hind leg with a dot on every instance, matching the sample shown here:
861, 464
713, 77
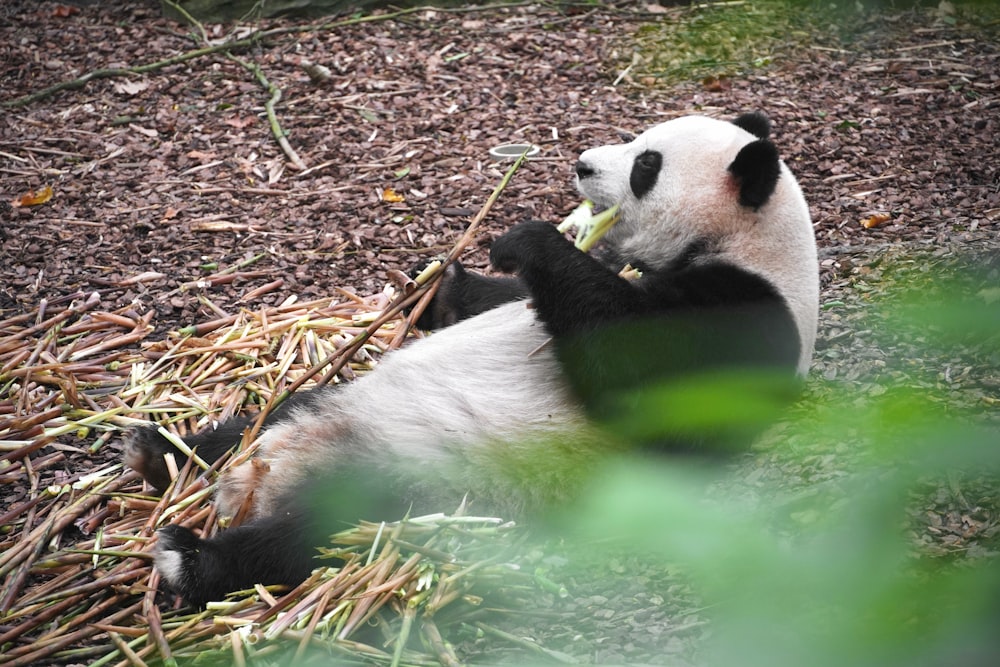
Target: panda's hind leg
275, 549
278, 546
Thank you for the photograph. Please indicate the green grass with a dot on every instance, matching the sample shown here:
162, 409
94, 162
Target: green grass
718, 40
723, 39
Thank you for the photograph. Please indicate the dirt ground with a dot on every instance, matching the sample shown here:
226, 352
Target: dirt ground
890, 121
167, 172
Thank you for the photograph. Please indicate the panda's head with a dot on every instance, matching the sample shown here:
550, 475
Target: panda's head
711, 186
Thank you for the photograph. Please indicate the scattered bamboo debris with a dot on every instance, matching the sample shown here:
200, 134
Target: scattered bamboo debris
86, 374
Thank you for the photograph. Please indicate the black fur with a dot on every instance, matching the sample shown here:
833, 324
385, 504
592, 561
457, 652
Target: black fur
756, 169
755, 123
583, 170
613, 335
645, 172
145, 447
463, 294
276, 549
280, 548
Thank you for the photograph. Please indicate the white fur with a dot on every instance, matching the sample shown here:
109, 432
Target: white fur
170, 564
695, 197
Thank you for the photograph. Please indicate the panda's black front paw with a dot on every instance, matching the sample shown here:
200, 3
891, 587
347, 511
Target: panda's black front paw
176, 556
523, 246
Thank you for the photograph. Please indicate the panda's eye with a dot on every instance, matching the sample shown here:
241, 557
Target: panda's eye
645, 170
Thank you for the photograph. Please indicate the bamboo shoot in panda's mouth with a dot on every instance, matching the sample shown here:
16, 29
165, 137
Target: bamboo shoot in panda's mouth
590, 227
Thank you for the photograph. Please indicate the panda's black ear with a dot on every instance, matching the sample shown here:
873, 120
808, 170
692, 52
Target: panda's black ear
756, 170
755, 123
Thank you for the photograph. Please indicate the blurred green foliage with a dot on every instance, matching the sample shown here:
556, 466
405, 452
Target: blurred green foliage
832, 573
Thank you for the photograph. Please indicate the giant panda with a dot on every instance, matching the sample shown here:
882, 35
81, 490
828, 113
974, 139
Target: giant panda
534, 381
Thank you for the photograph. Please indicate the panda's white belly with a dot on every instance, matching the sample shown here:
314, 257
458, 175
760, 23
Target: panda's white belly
462, 395
489, 379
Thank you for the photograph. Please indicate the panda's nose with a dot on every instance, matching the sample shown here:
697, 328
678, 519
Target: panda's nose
583, 170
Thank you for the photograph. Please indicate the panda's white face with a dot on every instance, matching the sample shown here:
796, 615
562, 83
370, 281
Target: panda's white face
672, 184
675, 186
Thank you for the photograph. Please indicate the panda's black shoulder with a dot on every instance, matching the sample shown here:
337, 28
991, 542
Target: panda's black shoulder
708, 284
739, 314
720, 283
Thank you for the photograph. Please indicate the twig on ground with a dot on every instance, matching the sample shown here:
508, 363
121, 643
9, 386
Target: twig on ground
234, 45
272, 116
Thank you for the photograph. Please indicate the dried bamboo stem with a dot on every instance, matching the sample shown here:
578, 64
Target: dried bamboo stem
125, 649
442, 649
15, 583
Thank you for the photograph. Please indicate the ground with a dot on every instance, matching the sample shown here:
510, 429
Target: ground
172, 200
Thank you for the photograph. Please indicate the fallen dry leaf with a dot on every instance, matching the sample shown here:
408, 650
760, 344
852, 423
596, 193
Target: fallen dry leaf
201, 156
64, 11
130, 87
33, 198
875, 220
716, 84
391, 196
145, 131
239, 123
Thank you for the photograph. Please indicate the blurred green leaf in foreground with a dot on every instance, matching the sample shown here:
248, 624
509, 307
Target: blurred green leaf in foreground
834, 577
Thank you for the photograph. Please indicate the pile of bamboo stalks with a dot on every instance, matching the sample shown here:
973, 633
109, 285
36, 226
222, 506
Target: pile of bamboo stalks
78, 371
75, 547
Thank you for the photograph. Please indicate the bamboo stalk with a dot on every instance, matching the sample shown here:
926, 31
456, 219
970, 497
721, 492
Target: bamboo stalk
125, 649
206, 373
8, 343
409, 613
442, 649
236, 644
286, 600
532, 646
25, 657
8, 517
36, 616
317, 614
16, 582
154, 620
86, 589
64, 517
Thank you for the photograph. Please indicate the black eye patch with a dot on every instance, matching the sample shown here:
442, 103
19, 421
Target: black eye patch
645, 171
